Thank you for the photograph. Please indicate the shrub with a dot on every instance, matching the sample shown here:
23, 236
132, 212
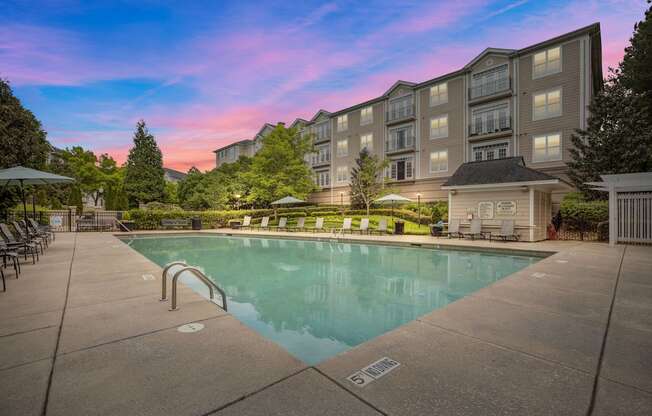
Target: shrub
581, 215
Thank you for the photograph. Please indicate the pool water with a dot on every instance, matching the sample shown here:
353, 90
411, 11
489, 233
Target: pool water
320, 298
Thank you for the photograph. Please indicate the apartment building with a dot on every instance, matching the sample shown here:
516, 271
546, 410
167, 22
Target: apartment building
504, 103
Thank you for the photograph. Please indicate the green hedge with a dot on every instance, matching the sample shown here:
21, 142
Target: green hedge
581, 215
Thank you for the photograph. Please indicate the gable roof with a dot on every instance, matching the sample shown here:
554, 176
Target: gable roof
298, 121
498, 171
262, 129
319, 113
397, 84
487, 52
175, 174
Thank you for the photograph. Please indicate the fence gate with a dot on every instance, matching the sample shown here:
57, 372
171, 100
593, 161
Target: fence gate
634, 217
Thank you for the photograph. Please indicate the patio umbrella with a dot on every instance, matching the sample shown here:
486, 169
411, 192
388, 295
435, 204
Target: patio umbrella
21, 176
393, 199
288, 200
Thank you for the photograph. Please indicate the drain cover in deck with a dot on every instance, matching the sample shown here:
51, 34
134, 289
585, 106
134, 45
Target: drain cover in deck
192, 327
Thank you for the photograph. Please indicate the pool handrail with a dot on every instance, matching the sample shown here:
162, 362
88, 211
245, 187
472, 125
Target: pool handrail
199, 275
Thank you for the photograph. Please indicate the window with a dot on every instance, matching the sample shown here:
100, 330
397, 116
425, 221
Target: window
342, 174
547, 147
439, 94
322, 178
322, 131
490, 151
342, 147
439, 161
489, 120
400, 108
322, 155
367, 141
343, 122
546, 104
439, 127
366, 115
490, 82
400, 138
400, 169
546, 63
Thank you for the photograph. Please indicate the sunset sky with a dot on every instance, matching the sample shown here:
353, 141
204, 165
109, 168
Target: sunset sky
205, 74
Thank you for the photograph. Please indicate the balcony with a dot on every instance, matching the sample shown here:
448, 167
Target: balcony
488, 124
400, 114
399, 145
320, 160
490, 88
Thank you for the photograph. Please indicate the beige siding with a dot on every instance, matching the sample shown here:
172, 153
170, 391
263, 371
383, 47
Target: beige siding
569, 81
454, 143
464, 203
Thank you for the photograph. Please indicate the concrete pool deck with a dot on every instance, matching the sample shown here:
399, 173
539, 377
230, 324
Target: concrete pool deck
82, 332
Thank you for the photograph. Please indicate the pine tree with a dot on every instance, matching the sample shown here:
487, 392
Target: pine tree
636, 67
366, 180
144, 179
618, 138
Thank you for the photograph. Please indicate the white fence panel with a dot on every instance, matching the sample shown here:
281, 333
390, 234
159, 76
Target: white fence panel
634, 217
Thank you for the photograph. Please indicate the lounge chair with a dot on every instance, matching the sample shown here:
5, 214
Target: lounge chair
476, 229
319, 225
23, 247
364, 226
264, 224
45, 237
43, 228
301, 225
382, 227
25, 236
454, 228
506, 232
346, 226
8, 253
282, 224
246, 222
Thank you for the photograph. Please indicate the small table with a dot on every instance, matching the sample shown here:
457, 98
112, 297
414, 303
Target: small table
235, 225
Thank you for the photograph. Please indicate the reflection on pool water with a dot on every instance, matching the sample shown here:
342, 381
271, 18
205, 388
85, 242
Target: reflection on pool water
318, 298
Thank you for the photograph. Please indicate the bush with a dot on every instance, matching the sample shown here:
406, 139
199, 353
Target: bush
581, 215
151, 219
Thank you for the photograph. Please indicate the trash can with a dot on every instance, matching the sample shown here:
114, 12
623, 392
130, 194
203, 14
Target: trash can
399, 226
196, 223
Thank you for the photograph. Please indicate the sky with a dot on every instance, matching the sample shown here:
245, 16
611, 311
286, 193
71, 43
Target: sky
205, 74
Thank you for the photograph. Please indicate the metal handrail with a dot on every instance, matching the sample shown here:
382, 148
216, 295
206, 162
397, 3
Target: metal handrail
201, 276
164, 278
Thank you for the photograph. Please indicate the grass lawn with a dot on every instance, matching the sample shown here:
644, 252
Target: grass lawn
335, 221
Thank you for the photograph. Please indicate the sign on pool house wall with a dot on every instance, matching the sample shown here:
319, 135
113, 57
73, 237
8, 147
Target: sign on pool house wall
486, 209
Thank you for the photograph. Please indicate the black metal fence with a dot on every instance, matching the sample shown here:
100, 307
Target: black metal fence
67, 220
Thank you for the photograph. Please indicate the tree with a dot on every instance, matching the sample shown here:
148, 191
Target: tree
635, 68
22, 140
367, 181
144, 179
278, 169
617, 140
188, 187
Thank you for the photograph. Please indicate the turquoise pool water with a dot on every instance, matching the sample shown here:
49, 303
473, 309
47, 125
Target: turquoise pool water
317, 299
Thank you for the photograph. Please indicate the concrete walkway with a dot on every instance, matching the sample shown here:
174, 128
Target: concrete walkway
82, 332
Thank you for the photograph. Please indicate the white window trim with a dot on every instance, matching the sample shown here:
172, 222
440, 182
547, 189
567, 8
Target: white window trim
370, 120
346, 123
370, 147
337, 147
546, 91
447, 127
346, 175
440, 102
561, 147
430, 161
490, 143
561, 62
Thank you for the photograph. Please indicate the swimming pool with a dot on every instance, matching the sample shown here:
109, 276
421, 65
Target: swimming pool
320, 298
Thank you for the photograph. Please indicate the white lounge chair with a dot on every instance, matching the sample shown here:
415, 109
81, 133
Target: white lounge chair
454, 228
264, 224
282, 224
346, 226
301, 225
364, 226
246, 222
476, 229
319, 225
506, 232
382, 227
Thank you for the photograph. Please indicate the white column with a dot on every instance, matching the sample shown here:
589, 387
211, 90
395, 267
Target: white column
613, 215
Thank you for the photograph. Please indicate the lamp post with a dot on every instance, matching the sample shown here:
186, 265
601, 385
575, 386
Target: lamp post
419, 209
237, 202
342, 202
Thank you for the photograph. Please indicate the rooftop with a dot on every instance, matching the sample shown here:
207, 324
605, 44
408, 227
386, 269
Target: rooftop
497, 171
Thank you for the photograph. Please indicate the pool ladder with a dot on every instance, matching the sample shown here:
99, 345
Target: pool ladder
212, 287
